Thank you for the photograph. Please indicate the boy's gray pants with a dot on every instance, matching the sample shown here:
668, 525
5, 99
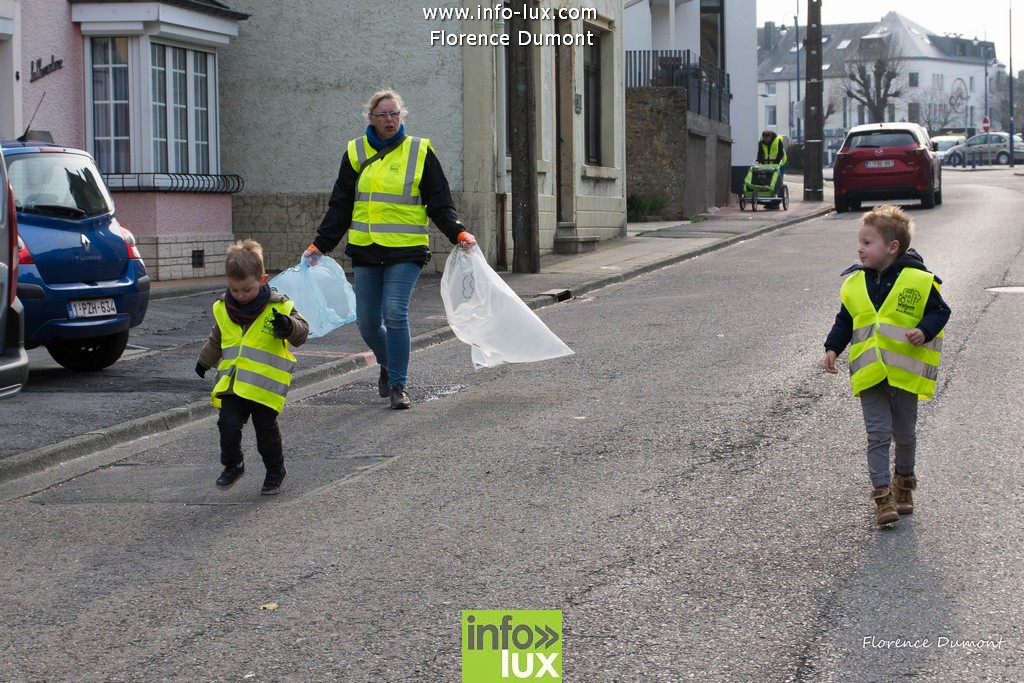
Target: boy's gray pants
890, 415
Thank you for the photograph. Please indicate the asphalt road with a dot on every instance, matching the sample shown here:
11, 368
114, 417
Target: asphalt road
689, 489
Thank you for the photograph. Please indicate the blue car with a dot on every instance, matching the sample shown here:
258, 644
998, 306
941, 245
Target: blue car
81, 277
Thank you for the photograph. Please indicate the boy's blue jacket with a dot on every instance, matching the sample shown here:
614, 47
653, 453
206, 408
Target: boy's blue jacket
936, 311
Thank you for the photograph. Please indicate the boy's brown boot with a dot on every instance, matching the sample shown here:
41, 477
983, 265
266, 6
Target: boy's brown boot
886, 512
902, 487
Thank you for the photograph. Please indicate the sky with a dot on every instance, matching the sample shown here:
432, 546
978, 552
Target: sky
986, 19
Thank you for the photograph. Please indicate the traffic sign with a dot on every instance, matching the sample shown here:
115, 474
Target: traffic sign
985, 124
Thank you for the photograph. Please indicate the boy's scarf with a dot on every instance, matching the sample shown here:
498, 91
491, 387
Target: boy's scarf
244, 314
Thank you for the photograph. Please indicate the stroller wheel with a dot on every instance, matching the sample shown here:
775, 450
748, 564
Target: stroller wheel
785, 198
743, 201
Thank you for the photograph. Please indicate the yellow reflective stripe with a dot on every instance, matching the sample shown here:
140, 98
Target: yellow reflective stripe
894, 359
862, 361
410, 167
267, 358
389, 198
406, 228
261, 382
862, 334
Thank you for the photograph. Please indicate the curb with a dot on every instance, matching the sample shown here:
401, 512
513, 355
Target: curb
40, 459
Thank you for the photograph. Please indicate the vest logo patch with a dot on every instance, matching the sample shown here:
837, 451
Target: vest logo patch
395, 166
908, 299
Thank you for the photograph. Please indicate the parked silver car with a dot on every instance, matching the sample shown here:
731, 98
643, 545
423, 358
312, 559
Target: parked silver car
13, 359
986, 148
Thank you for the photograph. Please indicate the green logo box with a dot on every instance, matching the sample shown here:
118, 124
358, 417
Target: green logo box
507, 645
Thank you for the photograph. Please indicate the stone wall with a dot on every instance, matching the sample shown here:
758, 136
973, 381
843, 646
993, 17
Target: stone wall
674, 154
656, 147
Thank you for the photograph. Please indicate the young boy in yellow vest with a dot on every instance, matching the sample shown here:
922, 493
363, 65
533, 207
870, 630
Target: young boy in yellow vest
892, 317
249, 347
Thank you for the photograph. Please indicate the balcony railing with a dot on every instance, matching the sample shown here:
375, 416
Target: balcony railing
707, 86
173, 182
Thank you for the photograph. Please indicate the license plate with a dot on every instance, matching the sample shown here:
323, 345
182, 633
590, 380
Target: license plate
880, 163
91, 308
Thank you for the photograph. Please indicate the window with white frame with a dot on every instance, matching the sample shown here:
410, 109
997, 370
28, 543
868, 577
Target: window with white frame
167, 91
769, 88
770, 115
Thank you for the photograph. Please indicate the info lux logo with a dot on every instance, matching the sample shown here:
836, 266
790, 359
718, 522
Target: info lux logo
506, 645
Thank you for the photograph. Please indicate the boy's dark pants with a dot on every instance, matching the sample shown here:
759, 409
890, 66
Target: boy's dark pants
234, 413
890, 415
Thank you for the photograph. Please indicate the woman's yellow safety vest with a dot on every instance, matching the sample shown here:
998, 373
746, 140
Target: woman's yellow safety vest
879, 349
254, 364
774, 151
388, 209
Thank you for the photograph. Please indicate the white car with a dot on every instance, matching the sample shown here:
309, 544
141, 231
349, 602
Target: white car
943, 143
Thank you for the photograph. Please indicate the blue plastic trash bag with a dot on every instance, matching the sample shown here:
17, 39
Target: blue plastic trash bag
485, 313
322, 294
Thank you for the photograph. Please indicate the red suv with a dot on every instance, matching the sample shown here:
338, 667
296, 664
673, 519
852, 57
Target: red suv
883, 161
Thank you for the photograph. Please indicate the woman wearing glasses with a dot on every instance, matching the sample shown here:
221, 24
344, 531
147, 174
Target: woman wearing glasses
388, 186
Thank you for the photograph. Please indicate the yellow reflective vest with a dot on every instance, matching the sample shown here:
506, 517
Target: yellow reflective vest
254, 364
776, 154
388, 209
879, 349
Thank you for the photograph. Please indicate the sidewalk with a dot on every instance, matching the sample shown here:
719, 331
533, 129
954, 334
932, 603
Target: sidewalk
646, 247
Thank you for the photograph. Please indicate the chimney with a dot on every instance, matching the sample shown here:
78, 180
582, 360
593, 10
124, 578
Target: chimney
768, 43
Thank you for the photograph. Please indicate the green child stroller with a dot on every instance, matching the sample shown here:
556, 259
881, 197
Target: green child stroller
763, 185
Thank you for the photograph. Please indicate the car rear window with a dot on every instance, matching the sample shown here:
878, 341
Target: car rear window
888, 138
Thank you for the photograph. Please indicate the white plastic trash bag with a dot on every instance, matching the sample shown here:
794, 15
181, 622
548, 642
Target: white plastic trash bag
322, 294
485, 313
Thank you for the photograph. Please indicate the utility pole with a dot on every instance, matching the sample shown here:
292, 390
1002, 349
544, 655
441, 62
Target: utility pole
522, 114
814, 145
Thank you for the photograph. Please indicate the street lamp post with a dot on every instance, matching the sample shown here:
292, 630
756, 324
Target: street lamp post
796, 36
1013, 131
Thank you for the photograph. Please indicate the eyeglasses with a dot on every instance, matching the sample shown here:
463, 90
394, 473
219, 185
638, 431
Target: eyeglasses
387, 115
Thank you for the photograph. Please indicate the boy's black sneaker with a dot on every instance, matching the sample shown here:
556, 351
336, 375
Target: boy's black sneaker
382, 383
273, 481
230, 475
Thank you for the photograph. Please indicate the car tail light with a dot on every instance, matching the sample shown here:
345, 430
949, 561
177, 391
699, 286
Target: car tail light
24, 255
129, 240
14, 246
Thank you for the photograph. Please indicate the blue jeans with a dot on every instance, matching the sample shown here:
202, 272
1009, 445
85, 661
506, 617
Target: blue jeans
382, 314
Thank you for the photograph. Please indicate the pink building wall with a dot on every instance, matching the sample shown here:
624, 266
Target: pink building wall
47, 31
170, 227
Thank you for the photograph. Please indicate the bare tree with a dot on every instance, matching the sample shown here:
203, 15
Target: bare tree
873, 76
936, 114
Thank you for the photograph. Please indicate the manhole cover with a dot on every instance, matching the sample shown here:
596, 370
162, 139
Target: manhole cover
1007, 290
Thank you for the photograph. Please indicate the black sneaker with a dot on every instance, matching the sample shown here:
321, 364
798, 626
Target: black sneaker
272, 483
399, 399
382, 383
230, 475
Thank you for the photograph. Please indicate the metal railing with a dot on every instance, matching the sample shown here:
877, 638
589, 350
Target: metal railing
707, 86
173, 182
